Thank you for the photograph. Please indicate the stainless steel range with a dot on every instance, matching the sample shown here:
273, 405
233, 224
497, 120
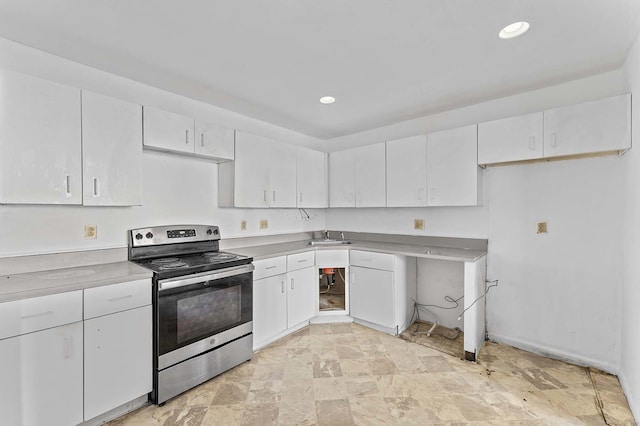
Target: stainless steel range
202, 305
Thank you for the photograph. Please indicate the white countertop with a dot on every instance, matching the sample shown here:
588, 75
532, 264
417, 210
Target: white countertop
443, 253
42, 283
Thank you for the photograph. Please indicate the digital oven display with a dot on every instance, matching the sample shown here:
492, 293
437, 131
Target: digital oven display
181, 233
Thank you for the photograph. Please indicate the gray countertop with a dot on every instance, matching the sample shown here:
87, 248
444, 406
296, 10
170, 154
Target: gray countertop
443, 253
42, 283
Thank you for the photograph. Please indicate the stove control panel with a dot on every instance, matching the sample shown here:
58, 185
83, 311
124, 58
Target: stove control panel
172, 234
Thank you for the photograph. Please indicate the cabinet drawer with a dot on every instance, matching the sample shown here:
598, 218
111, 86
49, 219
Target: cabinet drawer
108, 299
39, 313
368, 259
270, 267
300, 260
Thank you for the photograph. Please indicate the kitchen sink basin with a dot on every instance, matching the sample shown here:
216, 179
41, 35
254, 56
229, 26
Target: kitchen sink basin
328, 242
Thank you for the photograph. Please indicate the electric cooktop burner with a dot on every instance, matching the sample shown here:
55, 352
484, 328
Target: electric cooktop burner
165, 260
220, 256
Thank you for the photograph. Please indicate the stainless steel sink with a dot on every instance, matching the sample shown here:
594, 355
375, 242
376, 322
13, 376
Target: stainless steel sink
328, 242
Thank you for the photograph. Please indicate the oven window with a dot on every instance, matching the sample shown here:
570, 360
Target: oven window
197, 314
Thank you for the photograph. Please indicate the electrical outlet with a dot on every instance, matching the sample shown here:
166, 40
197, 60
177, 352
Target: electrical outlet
264, 224
91, 231
243, 225
418, 224
542, 227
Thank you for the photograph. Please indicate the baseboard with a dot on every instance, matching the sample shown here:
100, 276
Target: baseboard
631, 398
330, 319
118, 411
556, 354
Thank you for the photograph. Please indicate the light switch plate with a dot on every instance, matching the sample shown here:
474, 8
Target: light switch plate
542, 227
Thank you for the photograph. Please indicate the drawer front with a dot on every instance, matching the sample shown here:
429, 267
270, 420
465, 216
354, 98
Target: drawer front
108, 299
373, 260
332, 258
300, 260
270, 267
39, 313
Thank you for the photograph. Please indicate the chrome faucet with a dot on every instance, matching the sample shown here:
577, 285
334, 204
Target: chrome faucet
342, 235
326, 235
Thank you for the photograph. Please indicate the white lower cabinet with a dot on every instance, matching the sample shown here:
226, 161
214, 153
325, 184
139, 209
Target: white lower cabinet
269, 308
41, 377
117, 345
382, 290
117, 352
300, 296
372, 296
282, 301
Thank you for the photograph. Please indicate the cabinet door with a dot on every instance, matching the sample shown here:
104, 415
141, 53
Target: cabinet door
269, 308
342, 179
371, 182
301, 297
372, 296
407, 172
311, 178
282, 175
452, 167
111, 151
511, 139
168, 131
40, 141
42, 377
117, 359
598, 126
251, 170
214, 141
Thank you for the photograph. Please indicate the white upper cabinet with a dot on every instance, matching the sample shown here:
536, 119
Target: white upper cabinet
282, 175
407, 172
342, 179
263, 174
213, 141
168, 131
597, 126
311, 178
357, 177
452, 168
111, 151
40, 141
511, 139
370, 176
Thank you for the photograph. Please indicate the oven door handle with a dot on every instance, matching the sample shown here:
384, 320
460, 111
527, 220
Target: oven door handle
222, 273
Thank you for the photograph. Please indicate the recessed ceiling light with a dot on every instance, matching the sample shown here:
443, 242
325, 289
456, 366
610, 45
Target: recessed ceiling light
327, 99
514, 30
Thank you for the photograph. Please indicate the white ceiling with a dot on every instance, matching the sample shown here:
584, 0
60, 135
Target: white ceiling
384, 60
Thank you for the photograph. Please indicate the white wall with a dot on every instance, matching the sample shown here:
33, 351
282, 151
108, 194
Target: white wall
559, 293
630, 353
176, 189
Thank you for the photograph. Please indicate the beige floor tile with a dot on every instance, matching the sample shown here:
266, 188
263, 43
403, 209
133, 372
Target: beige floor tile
300, 413
334, 412
228, 415
260, 414
269, 391
371, 410
333, 374
329, 388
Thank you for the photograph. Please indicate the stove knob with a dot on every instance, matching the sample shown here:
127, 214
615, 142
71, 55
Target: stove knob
149, 235
215, 231
138, 236
209, 232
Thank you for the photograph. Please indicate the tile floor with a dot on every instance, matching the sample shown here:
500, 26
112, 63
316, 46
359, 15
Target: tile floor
345, 374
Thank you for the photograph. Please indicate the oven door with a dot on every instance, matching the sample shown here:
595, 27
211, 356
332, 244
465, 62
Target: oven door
201, 312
